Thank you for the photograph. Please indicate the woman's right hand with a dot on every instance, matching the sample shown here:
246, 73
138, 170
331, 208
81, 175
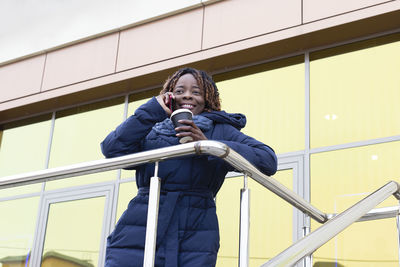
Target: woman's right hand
164, 101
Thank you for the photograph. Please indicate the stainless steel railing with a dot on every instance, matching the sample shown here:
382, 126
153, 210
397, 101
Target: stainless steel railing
202, 147
334, 226
290, 256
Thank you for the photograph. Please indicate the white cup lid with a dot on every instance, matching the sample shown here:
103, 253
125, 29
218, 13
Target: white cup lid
181, 110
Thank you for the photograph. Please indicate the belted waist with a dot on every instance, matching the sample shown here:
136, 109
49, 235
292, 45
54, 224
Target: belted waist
192, 192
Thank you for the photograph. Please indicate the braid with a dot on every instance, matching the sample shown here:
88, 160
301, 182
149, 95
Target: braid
211, 94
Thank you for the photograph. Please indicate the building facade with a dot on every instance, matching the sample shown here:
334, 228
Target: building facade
319, 81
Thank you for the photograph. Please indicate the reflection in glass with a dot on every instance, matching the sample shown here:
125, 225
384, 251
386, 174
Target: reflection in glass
271, 219
78, 133
53, 258
17, 228
327, 264
354, 92
73, 232
272, 98
343, 177
23, 148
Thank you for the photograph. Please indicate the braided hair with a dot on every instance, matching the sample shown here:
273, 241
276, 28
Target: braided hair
211, 94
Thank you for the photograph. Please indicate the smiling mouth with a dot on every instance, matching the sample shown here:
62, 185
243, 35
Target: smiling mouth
188, 106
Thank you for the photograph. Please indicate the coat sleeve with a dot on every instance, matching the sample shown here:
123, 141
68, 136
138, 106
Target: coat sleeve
257, 153
127, 137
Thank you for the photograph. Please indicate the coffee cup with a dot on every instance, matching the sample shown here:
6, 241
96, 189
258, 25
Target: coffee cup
182, 114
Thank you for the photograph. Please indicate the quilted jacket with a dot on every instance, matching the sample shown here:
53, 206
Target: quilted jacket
187, 233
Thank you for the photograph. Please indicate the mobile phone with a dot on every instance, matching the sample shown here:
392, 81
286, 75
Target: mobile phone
171, 103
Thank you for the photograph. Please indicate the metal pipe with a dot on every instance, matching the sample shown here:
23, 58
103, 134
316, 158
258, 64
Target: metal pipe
334, 226
152, 219
376, 214
217, 149
308, 260
244, 225
214, 148
398, 234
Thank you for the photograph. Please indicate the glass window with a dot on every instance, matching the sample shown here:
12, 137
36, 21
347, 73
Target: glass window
343, 177
271, 218
272, 98
126, 192
138, 99
73, 232
23, 148
78, 133
354, 92
17, 228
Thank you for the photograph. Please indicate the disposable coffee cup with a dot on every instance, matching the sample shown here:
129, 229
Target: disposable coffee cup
182, 114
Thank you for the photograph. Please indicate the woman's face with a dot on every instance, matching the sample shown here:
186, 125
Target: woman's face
188, 94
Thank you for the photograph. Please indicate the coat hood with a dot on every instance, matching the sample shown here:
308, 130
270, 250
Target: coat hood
237, 120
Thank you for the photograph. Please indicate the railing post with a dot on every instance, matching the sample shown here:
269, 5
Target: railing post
398, 232
307, 262
152, 218
244, 225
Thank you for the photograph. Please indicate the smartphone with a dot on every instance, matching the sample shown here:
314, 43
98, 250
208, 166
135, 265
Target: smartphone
171, 103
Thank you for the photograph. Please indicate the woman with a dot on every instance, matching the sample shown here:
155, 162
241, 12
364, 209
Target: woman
187, 233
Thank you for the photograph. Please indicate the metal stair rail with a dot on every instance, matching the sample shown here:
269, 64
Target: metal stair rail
299, 250
358, 212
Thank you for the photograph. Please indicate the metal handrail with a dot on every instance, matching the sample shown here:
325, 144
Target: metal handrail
304, 247
213, 148
308, 244
111, 164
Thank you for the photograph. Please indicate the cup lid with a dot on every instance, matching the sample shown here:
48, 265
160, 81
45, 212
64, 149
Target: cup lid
181, 110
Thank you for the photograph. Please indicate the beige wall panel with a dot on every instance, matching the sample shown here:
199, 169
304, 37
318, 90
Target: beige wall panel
22, 78
336, 29
81, 62
160, 40
230, 21
319, 9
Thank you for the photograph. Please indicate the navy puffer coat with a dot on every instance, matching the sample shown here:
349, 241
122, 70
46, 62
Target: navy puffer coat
187, 233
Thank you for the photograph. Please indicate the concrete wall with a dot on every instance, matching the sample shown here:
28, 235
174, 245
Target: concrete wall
214, 37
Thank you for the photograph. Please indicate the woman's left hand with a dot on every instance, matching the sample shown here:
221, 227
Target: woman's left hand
190, 129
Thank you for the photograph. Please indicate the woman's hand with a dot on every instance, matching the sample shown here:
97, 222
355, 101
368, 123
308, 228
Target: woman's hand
190, 129
164, 101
